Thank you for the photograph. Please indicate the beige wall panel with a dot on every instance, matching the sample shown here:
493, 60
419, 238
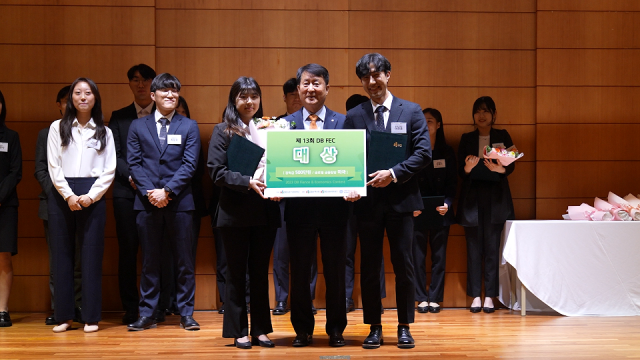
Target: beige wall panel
587, 29
525, 209
589, 5
210, 28
569, 179
206, 293
30, 293
100, 25
62, 64
114, 3
553, 209
588, 67
522, 181
32, 258
500, 68
583, 105
453, 30
579, 141
454, 5
455, 290
515, 105
523, 136
254, 4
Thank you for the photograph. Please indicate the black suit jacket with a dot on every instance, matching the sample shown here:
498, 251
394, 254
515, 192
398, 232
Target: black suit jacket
153, 168
403, 196
10, 167
501, 202
238, 205
42, 173
441, 181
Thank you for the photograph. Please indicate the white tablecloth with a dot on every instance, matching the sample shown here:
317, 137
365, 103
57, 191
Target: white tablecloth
576, 267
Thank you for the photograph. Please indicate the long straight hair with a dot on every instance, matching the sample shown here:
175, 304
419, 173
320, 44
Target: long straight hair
3, 112
244, 85
441, 142
71, 112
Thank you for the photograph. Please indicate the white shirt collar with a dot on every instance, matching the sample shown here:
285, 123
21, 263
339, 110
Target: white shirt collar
140, 108
159, 116
386, 103
321, 113
90, 124
242, 124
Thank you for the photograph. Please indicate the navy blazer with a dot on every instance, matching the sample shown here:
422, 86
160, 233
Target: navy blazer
42, 173
153, 168
441, 181
501, 202
10, 167
403, 196
324, 211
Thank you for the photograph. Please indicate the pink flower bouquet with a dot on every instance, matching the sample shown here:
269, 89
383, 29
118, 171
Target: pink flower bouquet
505, 156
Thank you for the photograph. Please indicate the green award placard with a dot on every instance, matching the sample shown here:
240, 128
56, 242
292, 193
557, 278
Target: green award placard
315, 163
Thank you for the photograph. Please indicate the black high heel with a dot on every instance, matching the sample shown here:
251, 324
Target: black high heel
257, 342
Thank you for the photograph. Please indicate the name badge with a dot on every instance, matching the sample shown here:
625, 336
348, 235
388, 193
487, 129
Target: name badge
174, 139
398, 128
497, 145
439, 164
4, 147
93, 144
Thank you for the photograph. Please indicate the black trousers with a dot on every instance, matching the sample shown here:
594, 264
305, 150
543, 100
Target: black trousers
77, 269
221, 266
66, 228
437, 241
302, 243
399, 228
128, 244
483, 248
153, 226
281, 263
352, 241
247, 247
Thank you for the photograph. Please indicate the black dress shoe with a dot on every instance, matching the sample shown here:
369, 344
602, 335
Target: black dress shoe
405, 340
434, 309
488, 310
281, 308
314, 310
160, 317
221, 310
78, 315
5, 319
336, 340
423, 309
257, 342
128, 318
143, 323
51, 320
475, 309
374, 340
301, 340
350, 305
188, 323
242, 345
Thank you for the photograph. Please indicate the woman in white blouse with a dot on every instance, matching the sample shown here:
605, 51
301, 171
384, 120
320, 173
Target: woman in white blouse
82, 164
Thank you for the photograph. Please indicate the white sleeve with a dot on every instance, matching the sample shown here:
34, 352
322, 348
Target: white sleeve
54, 160
109, 171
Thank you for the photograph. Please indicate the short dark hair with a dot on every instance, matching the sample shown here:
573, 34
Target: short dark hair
379, 62
182, 102
290, 86
485, 103
315, 70
145, 71
3, 112
63, 93
355, 100
165, 81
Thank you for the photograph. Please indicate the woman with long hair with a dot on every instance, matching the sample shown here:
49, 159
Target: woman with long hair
82, 163
485, 202
10, 176
439, 178
247, 222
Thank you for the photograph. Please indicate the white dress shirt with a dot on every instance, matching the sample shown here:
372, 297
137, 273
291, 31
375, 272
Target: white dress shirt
81, 158
159, 116
385, 114
142, 112
322, 113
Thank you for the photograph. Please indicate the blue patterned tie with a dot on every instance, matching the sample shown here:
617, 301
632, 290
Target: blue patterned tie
380, 118
163, 133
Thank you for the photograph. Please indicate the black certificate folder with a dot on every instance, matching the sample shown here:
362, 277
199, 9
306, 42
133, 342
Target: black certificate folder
386, 150
243, 156
430, 217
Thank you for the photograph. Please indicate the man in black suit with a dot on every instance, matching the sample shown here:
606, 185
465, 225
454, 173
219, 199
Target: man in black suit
390, 203
124, 189
307, 218
281, 246
162, 152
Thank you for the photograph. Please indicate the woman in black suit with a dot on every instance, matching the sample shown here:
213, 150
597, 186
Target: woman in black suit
247, 222
485, 202
10, 176
437, 179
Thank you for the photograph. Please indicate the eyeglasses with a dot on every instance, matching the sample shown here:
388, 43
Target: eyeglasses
166, 92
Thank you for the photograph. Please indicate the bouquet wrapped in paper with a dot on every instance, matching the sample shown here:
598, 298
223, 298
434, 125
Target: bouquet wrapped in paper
504, 155
621, 208
582, 212
258, 130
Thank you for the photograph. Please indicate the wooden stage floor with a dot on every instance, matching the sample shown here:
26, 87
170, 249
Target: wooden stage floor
451, 334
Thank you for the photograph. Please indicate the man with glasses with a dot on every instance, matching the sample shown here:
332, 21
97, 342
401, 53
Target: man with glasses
162, 152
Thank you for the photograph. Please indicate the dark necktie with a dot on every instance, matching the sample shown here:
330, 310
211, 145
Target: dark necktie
380, 118
163, 133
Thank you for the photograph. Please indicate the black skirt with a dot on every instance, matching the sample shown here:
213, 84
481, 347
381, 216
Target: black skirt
9, 229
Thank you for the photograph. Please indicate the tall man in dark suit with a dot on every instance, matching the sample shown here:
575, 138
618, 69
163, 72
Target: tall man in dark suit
162, 152
281, 246
307, 218
390, 203
124, 189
